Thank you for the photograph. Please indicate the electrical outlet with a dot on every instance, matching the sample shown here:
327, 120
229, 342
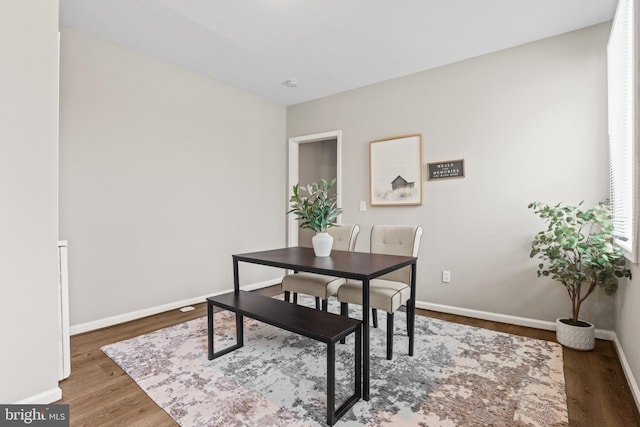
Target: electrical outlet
446, 276
363, 206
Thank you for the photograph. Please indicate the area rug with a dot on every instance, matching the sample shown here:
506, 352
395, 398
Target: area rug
458, 376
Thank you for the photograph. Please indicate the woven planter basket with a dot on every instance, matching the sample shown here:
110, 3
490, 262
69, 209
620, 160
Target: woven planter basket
576, 337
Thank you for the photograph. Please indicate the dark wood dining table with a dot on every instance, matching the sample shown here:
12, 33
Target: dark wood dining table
362, 266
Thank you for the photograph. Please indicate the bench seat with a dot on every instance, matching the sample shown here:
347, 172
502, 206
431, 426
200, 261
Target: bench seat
321, 326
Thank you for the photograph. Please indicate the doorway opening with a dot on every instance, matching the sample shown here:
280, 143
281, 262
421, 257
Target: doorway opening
312, 157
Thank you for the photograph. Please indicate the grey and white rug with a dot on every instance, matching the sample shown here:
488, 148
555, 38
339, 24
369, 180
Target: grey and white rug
459, 376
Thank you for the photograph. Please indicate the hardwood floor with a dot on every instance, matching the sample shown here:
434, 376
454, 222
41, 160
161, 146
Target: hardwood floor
101, 394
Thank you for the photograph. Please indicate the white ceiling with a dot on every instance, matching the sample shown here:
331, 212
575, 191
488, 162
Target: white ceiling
329, 46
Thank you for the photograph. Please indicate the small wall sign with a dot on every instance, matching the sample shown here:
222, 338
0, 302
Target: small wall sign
448, 169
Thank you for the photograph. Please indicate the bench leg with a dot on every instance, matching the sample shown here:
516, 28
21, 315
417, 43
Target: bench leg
331, 383
317, 303
287, 296
210, 329
295, 297
212, 354
333, 414
239, 330
358, 363
325, 305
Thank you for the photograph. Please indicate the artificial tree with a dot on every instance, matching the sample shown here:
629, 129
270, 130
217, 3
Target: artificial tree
577, 250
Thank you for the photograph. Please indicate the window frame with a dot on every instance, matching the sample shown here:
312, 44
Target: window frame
622, 84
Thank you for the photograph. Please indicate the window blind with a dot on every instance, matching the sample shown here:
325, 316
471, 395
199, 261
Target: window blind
622, 148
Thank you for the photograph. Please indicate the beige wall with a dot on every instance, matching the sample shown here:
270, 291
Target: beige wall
28, 201
164, 174
530, 123
628, 319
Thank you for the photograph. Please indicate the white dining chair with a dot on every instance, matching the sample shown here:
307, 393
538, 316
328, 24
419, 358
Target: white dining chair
392, 290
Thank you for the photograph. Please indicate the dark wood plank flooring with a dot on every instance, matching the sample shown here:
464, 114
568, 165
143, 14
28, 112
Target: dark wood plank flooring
101, 394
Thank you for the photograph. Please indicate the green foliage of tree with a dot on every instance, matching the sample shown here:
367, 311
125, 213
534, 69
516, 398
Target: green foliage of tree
577, 250
316, 210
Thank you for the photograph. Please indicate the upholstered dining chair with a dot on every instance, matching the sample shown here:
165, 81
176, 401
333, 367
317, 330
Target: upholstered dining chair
392, 290
318, 285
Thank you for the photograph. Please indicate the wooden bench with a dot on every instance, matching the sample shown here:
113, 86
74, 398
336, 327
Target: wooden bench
319, 325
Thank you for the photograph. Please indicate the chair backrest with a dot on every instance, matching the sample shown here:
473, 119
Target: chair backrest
396, 240
344, 236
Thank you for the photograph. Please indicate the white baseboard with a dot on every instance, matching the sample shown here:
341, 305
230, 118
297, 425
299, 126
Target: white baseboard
44, 398
633, 385
126, 317
485, 315
504, 318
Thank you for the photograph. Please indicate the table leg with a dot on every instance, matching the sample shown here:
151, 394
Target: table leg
365, 339
236, 279
412, 309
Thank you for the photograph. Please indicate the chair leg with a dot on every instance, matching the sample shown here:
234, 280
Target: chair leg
295, 297
287, 296
374, 316
325, 305
344, 311
317, 303
389, 336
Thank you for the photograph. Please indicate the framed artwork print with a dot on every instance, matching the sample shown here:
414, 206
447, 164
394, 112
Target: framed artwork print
395, 167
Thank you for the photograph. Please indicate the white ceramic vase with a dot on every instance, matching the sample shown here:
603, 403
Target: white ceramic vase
576, 337
322, 244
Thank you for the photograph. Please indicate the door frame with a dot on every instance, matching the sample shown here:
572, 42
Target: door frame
294, 167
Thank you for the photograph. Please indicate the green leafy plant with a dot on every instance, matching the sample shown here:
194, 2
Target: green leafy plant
577, 250
317, 209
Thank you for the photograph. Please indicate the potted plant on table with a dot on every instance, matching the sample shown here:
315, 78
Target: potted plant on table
316, 210
577, 250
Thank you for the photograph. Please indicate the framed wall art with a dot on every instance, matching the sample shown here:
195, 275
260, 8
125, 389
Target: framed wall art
395, 167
